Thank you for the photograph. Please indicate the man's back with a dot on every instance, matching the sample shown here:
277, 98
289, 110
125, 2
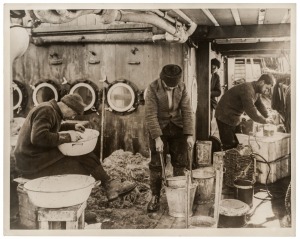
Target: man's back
234, 103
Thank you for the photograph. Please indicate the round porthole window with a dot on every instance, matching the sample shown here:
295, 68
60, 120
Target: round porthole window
45, 91
194, 95
89, 93
122, 96
20, 96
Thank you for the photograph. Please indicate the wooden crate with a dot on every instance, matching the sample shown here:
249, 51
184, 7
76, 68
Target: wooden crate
27, 211
33, 217
271, 148
62, 218
280, 168
203, 152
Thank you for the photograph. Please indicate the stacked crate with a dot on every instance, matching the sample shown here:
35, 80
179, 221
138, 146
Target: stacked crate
276, 153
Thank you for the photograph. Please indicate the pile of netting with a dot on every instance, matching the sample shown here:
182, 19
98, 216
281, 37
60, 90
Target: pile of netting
127, 167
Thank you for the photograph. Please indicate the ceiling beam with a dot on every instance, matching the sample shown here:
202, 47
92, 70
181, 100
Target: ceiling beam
211, 17
261, 16
236, 16
243, 31
252, 46
286, 17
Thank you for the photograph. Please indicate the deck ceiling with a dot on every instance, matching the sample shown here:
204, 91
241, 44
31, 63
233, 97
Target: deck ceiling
242, 31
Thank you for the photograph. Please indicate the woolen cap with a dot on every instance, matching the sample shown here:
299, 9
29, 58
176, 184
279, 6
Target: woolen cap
75, 102
171, 75
215, 62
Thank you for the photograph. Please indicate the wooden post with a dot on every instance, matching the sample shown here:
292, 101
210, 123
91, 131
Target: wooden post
226, 74
203, 82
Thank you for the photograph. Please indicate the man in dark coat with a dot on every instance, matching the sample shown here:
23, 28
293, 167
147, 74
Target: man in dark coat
36, 151
245, 97
170, 123
215, 87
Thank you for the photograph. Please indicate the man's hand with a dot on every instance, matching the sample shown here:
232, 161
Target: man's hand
270, 120
190, 142
159, 145
74, 136
80, 128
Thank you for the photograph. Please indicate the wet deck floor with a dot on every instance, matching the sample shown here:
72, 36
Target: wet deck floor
268, 209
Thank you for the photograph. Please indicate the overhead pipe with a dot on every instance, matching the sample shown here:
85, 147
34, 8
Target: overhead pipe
174, 33
192, 24
177, 33
166, 16
60, 15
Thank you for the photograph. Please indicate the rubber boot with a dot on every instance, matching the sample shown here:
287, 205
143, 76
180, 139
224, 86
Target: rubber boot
178, 172
155, 186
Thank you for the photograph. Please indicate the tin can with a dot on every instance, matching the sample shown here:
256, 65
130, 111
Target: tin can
203, 153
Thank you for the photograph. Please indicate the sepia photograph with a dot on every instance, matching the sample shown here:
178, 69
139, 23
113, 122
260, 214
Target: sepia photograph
149, 119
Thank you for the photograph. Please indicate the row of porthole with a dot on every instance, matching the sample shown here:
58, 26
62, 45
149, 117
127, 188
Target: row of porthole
122, 96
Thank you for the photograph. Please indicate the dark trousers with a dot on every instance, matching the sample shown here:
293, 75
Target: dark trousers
87, 164
227, 135
175, 144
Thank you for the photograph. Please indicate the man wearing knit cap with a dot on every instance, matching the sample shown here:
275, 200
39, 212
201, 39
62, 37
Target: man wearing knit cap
170, 124
37, 154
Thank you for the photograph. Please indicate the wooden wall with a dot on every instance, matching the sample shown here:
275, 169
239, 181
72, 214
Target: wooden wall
121, 132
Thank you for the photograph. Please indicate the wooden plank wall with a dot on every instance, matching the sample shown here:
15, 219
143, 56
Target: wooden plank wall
121, 132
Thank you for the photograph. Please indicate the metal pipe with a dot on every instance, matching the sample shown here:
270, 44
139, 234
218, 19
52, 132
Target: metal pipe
177, 33
146, 18
159, 37
165, 16
193, 25
144, 37
61, 16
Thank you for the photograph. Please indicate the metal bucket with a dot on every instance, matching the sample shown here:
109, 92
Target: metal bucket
177, 200
204, 177
232, 213
244, 191
176, 182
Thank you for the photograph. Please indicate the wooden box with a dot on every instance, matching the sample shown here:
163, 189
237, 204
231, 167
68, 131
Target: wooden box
271, 148
279, 168
32, 217
203, 156
27, 211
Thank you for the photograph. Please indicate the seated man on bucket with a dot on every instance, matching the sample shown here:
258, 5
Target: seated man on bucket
37, 154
